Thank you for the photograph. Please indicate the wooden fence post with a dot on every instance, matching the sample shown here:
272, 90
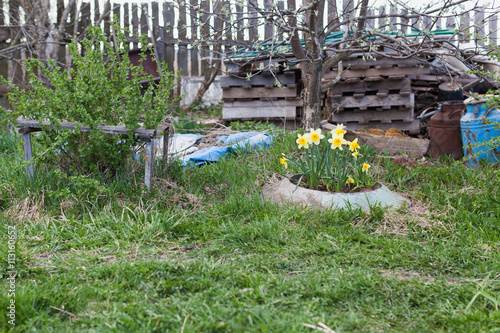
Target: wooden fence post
150, 155
28, 153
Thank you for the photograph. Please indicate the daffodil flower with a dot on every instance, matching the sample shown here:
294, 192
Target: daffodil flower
283, 161
339, 130
366, 167
349, 180
355, 154
353, 145
302, 141
337, 141
316, 136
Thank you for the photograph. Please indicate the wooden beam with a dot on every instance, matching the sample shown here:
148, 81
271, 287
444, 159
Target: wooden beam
28, 154
150, 155
141, 132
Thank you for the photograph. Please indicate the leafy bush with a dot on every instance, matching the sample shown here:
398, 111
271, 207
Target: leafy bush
102, 87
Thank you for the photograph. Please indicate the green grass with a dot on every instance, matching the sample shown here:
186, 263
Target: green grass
204, 252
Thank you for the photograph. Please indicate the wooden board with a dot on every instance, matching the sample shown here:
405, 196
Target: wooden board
367, 116
360, 64
373, 101
412, 128
33, 124
258, 80
364, 86
258, 92
372, 72
260, 103
286, 112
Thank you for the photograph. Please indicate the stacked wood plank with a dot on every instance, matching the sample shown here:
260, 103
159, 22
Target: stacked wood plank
375, 94
261, 96
382, 92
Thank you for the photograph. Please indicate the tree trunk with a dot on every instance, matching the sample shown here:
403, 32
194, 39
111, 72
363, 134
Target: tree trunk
208, 79
311, 78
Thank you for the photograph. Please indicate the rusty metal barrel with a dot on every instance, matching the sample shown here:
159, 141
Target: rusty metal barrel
445, 130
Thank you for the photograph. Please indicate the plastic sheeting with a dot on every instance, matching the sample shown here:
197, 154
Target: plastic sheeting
242, 141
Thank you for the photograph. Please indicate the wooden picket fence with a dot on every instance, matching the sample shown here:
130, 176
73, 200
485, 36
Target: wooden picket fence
172, 31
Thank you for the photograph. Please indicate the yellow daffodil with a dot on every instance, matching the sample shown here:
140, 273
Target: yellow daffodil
366, 167
355, 154
339, 130
337, 141
349, 180
353, 145
316, 136
302, 141
283, 161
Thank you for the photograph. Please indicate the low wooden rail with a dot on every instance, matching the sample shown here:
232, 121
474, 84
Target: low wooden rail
146, 135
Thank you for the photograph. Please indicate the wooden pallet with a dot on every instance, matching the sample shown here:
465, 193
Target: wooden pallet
395, 73
265, 79
360, 88
248, 92
409, 127
365, 102
260, 109
364, 117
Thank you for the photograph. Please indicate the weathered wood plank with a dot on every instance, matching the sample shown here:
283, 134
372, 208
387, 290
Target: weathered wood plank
268, 27
84, 17
359, 63
287, 112
493, 27
237, 92
149, 159
372, 72
107, 25
240, 32
252, 30
204, 34
97, 11
155, 34
141, 132
144, 20
258, 80
411, 127
366, 116
393, 19
368, 87
194, 35
169, 23
182, 52
28, 154
374, 101
464, 27
261, 103
479, 30
135, 24
332, 14
166, 137
126, 23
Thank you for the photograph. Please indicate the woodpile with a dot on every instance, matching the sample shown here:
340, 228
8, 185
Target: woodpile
262, 96
373, 92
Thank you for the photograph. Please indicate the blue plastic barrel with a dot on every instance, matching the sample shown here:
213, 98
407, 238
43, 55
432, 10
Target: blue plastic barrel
475, 129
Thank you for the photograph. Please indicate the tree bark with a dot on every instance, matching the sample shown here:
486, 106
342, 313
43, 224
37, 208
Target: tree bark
311, 78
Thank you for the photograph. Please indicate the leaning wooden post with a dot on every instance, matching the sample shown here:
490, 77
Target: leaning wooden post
150, 154
28, 153
166, 133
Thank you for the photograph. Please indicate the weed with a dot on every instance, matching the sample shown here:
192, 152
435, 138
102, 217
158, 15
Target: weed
205, 252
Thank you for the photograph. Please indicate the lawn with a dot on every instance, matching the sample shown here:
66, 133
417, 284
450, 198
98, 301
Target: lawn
203, 252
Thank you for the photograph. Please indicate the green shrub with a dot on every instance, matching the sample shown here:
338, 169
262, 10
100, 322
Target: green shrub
102, 87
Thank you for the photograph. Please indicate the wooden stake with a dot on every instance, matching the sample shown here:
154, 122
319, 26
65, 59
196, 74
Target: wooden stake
28, 154
150, 155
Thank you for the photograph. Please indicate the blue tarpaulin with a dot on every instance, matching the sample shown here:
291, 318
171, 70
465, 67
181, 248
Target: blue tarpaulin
238, 141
